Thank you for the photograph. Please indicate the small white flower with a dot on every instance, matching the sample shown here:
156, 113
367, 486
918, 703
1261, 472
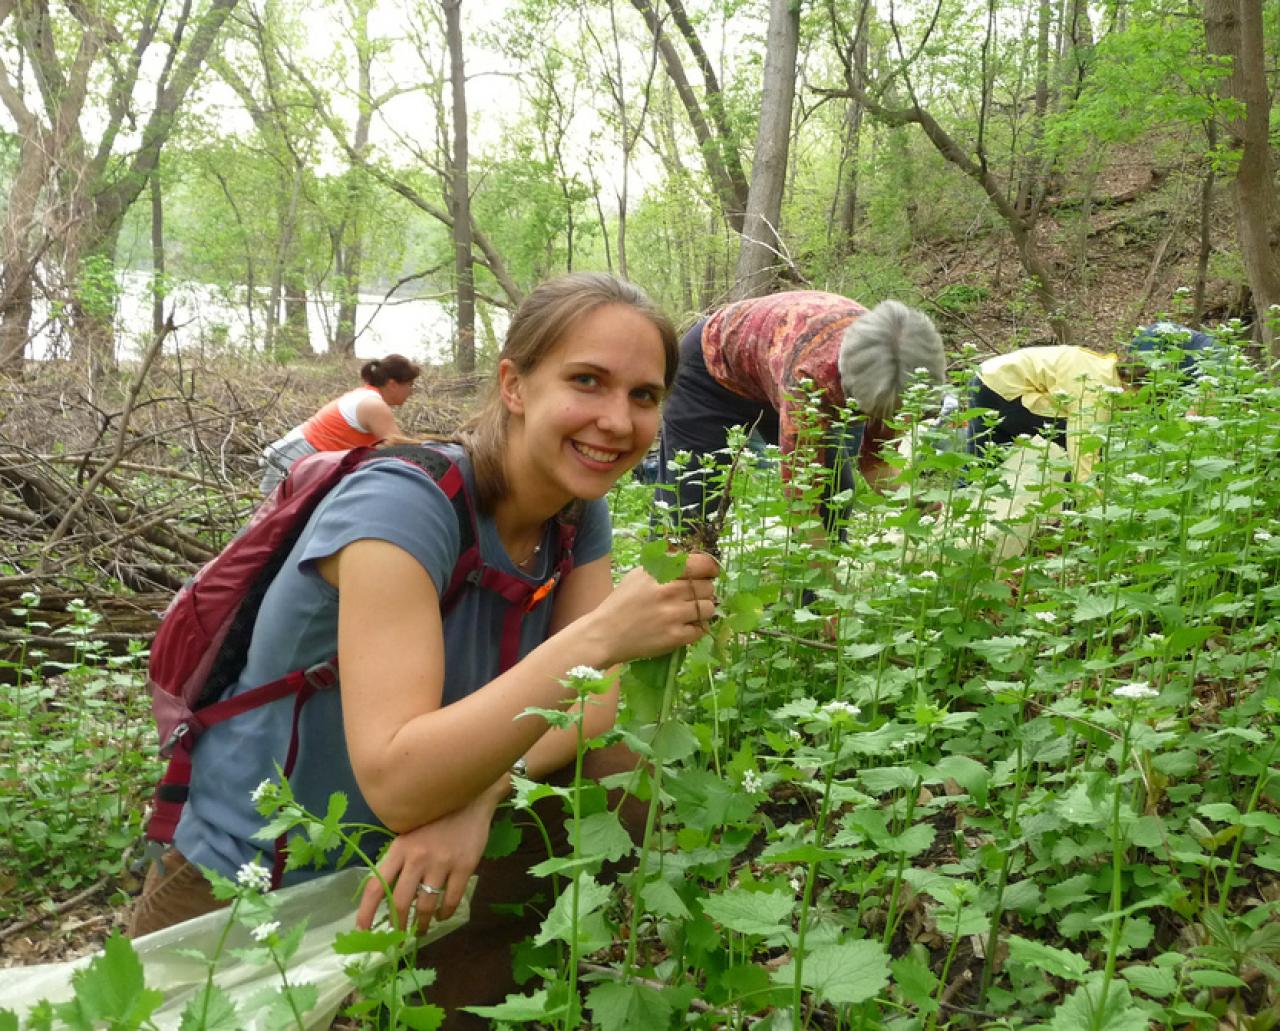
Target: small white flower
264, 789
927, 520
1113, 390
794, 734
1261, 536
264, 931
1139, 479
1045, 617
928, 574
1136, 691
798, 876
1155, 638
254, 875
835, 708
584, 673
752, 782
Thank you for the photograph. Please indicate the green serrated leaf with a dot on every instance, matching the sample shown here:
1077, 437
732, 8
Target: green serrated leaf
210, 1009
504, 838
1268, 822
111, 989
763, 913
352, 943
842, 973
521, 1009
1215, 979
661, 564
288, 1002
674, 741
968, 773
916, 982
743, 612
661, 899
628, 1007
1222, 812
602, 834
559, 922
1058, 962
1152, 981
643, 683
420, 1018
1080, 1011
1095, 606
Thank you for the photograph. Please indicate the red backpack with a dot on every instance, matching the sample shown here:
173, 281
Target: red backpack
201, 645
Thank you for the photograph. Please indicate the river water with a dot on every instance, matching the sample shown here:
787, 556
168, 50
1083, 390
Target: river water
208, 322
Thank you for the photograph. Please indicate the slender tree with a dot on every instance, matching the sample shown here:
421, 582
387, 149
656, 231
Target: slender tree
1233, 31
762, 247
460, 190
91, 184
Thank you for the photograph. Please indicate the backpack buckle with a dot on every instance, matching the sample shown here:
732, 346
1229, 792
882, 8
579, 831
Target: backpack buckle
321, 676
175, 736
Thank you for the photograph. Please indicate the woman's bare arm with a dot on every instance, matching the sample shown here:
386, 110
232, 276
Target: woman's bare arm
416, 760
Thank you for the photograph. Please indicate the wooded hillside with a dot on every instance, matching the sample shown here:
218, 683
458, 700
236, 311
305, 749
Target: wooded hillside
1021, 170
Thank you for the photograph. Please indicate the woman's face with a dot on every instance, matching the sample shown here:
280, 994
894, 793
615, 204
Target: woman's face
396, 393
589, 410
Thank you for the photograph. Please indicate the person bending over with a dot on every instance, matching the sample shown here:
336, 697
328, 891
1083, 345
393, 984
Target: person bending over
745, 366
358, 418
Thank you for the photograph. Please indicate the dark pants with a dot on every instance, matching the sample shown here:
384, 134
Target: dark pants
474, 964
1013, 420
697, 417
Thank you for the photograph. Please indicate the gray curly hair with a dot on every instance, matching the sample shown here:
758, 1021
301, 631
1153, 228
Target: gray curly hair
881, 351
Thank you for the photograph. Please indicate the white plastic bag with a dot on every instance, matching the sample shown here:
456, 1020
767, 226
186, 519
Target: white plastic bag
328, 904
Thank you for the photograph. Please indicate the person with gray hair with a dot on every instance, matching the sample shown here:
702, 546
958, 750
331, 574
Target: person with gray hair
746, 364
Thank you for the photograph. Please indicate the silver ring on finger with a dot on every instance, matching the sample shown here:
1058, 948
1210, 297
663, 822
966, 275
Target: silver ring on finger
429, 889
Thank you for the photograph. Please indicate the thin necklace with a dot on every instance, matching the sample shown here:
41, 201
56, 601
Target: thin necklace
526, 562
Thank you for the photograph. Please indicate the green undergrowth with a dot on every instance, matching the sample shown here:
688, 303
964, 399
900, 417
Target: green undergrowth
909, 783
77, 761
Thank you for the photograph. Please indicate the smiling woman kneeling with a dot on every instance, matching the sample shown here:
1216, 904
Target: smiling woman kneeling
423, 730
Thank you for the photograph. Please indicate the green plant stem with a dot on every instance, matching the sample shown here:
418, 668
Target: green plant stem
997, 910
1117, 866
946, 967
284, 982
674, 661
811, 872
891, 916
571, 1011
1258, 787
213, 962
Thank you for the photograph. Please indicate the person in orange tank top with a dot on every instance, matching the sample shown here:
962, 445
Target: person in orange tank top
359, 418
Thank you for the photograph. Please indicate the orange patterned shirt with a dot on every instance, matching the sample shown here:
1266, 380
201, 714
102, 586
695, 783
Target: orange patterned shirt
763, 347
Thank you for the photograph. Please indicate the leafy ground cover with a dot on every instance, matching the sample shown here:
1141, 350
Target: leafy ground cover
903, 784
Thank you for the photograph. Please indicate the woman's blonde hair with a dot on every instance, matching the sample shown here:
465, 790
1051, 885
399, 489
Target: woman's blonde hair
541, 321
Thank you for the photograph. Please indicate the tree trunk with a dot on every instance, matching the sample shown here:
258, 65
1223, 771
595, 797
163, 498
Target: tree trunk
1233, 29
464, 273
728, 145
731, 194
101, 207
157, 255
296, 331
762, 247
281, 264
1206, 226
18, 251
